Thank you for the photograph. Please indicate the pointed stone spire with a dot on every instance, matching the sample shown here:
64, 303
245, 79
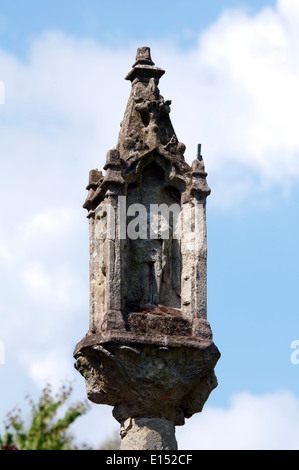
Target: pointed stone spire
146, 126
199, 175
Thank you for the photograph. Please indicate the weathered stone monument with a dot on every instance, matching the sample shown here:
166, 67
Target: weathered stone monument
149, 351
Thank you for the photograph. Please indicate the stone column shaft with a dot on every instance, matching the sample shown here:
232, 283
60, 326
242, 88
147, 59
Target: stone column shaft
148, 434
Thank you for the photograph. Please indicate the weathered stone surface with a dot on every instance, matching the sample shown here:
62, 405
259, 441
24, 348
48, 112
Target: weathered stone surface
149, 350
142, 380
148, 434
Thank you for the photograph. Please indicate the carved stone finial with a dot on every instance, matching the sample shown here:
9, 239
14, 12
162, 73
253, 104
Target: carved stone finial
143, 56
199, 156
199, 175
144, 68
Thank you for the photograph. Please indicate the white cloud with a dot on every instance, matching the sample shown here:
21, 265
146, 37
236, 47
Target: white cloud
51, 366
95, 426
235, 92
238, 96
5, 250
251, 422
36, 232
256, 57
61, 288
48, 222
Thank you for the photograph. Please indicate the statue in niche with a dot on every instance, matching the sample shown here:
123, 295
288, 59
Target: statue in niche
153, 272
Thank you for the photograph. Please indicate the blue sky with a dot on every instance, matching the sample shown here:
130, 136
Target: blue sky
232, 74
113, 22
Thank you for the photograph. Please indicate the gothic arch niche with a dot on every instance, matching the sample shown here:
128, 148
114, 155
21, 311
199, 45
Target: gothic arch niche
153, 260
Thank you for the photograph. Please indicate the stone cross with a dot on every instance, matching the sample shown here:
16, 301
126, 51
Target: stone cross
149, 351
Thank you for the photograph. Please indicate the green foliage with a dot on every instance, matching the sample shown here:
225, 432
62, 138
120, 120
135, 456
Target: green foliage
45, 430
